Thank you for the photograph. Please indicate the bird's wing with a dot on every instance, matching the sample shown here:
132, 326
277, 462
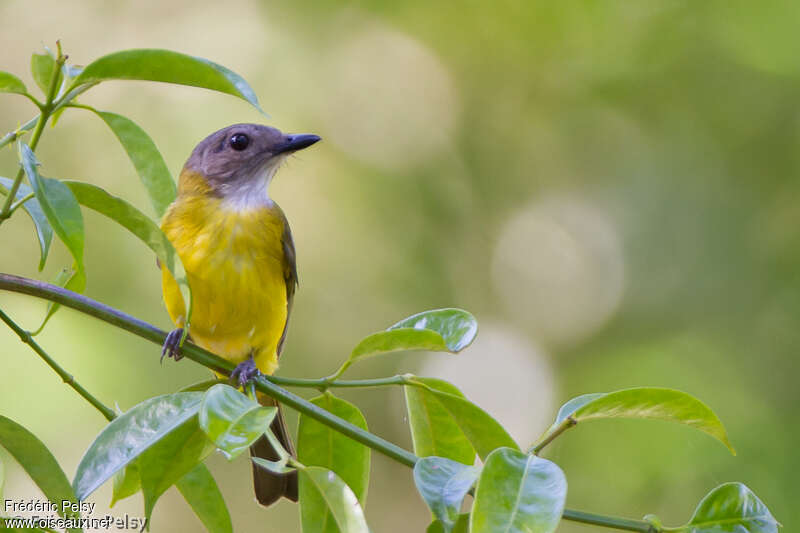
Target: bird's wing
289, 275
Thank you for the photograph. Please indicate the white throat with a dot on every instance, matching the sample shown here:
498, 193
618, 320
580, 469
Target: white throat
254, 192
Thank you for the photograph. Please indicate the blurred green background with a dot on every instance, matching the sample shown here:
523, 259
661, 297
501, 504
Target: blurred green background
610, 187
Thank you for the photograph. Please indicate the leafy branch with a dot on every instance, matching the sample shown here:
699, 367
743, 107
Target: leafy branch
163, 441
269, 385
46, 110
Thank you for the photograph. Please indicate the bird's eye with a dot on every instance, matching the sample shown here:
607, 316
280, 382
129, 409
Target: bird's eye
239, 141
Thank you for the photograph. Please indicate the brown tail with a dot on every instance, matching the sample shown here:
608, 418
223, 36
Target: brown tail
270, 487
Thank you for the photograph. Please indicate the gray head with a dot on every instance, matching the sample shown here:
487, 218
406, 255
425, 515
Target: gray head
242, 159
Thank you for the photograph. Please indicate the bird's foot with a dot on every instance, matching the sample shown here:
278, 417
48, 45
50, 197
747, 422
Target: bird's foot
172, 345
245, 372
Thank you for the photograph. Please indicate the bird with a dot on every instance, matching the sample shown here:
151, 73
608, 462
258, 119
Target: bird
239, 256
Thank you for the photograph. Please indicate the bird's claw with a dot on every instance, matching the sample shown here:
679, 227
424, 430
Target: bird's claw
245, 372
172, 345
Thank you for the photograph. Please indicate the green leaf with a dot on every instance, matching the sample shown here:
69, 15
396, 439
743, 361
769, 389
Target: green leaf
128, 217
202, 493
434, 431
37, 461
483, 432
518, 493
60, 207
126, 483
11, 84
171, 458
44, 231
169, 67
232, 420
323, 493
440, 330
319, 445
131, 434
2, 478
574, 404
276, 467
20, 131
462, 525
443, 484
68, 279
647, 402
43, 67
146, 159
203, 386
731, 508
136, 222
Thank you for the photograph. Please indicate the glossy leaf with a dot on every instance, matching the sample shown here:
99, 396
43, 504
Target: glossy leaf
518, 493
146, 159
2, 478
70, 72
68, 279
324, 494
203, 386
650, 403
731, 508
34, 457
44, 231
440, 330
232, 420
11, 84
434, 431
443, 484
128, 217
319, 445
276, 467
136, 222
126, 483
131, 434
574, 404
19, 131
202, 493
42, 68
483, 432
171, 458
60, 207
462, 525
169, 67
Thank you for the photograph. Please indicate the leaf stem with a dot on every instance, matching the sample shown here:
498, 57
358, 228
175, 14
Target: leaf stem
552, 435
68, 378
147, 331
47, 110
12, 136
624, 524
333, 377
19, 203
324, 383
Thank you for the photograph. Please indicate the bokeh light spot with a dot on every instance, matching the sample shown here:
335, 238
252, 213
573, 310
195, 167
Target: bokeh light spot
558, 268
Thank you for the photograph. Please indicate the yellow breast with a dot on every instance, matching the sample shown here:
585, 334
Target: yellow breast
235, 266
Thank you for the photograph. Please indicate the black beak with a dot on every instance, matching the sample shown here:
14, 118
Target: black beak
297, 142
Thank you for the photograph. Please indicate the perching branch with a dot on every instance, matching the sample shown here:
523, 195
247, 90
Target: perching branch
268, 384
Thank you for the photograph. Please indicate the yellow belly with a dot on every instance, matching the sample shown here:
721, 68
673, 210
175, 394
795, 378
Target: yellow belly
234, 263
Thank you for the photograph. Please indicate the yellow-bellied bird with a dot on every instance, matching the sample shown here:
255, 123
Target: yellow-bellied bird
237, 249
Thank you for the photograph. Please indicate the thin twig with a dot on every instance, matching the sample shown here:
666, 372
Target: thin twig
68, 378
